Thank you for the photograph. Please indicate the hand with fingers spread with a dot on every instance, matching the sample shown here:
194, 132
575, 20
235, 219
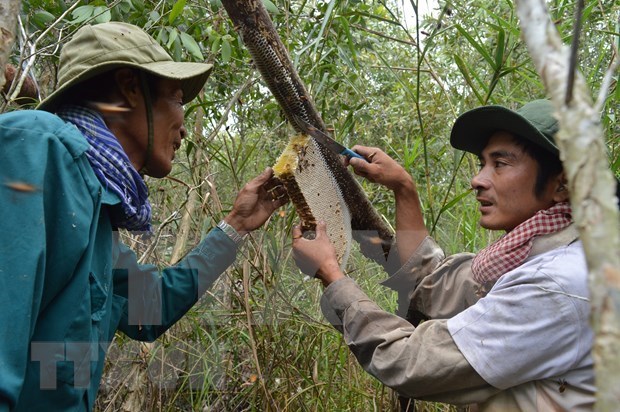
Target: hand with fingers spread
256, 201
380, 168
316, 257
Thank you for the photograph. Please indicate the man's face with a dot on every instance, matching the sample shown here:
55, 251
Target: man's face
168, 129
505, 184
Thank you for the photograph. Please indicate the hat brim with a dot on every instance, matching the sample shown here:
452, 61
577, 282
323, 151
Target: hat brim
192, 76
472, 130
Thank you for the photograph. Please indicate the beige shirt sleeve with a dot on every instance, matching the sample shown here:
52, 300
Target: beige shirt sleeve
421, 363
430, 286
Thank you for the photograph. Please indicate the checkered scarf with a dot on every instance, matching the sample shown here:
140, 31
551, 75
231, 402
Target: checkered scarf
509, 251
113, 168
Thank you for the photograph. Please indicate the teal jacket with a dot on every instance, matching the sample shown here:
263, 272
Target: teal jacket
66, 282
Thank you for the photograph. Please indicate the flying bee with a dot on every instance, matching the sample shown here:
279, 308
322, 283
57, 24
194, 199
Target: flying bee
21, 186
563, 383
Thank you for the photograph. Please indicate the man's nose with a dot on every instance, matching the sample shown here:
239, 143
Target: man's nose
479, 181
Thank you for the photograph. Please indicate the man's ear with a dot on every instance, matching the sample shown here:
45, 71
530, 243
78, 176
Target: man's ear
561, 189
128, 83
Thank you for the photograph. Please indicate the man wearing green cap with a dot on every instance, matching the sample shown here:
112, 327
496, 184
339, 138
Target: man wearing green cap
70, 180
506, 329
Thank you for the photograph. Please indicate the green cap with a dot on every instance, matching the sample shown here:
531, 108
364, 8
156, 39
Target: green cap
95, 49
534, 122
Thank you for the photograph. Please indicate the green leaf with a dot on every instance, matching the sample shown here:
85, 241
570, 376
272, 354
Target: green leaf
326, 19
42, 18
177, 9
189, 147
82, 13
177, 49
161, 36
215, 46
271, 8
350, 42
499, 51
465, 72
154, 16
138, 4
455, 200
125, 7
485, 54
226, 50
103, 15
172, 37
190, 44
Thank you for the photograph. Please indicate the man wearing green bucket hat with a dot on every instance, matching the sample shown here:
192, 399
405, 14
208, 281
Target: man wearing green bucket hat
507, 328
70, 180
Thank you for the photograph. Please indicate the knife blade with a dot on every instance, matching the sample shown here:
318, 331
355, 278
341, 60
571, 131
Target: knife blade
326, 140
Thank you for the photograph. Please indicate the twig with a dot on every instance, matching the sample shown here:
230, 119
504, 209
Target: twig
229, 106
407, 69
573, 53
179, 181
33, 45
250, 320
384, 36
173, 216
607, 80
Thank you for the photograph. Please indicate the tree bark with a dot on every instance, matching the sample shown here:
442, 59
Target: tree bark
592, 188
9, 10
192, 200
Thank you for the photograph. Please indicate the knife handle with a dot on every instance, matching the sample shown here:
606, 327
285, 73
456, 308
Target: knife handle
350, 153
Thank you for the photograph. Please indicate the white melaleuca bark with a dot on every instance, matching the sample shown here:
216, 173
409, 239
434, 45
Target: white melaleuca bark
592, 188
9, 10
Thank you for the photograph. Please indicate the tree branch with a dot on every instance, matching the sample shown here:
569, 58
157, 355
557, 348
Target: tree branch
592, 188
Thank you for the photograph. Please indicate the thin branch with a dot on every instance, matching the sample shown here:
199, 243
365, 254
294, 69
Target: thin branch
33, 46
607, 80
233, 100
573, 52
592, 190
23, 74
407, 69
384, 36
175, 215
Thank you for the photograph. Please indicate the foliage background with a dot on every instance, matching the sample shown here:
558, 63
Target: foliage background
257, 340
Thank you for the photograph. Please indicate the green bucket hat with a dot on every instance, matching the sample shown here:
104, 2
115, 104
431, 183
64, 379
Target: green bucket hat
95, 49
534, 121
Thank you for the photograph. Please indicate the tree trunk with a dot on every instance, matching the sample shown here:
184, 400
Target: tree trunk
591, 184
9, 10
192, 200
